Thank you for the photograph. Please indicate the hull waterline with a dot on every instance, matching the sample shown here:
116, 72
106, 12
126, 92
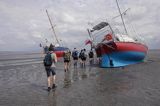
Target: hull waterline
120, 54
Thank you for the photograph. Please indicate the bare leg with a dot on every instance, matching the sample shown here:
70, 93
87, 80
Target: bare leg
53, 78
81, 62
49, 81
68, 65
76, 62
53, 83
84, 63
65, 66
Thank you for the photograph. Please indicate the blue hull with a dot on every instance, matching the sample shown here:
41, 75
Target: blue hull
119, 59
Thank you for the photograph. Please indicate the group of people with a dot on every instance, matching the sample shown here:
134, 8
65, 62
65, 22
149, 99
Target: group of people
51, 58
76, 56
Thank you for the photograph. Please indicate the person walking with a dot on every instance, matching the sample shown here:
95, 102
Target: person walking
51, 47
80, 58
49, 63
91, 57
75, 57
46, 49
66, 57
83, 57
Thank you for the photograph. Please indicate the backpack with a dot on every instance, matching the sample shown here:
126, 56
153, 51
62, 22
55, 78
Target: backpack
83, 55
66, 56
47, 60
75, 54
90, 54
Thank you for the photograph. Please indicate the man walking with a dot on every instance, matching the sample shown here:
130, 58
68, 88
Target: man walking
66, 57
83, 57
75, 57
91, 57
49, 63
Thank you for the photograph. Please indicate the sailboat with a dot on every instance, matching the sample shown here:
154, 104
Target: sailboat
115, 49
57, 49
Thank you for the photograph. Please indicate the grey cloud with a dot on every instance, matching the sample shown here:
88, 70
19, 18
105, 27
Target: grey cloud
24, 22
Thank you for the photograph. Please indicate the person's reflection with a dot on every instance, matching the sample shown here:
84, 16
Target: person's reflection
75, 75
89, 70
52, 97
83, 73
67, 79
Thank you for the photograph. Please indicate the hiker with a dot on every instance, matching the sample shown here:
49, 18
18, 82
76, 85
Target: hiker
83, 57
66, 57
51, 47
91, 57
49, 63
75, 57
46, 49
80, 55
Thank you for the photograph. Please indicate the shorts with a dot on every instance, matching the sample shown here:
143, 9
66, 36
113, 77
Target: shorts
50, 70
90, 56
75, 58
83, 59
66, 61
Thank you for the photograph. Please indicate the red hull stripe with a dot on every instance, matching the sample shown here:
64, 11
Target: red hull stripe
131, 46
122, 47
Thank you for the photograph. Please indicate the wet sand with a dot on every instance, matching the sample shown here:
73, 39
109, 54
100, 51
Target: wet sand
134, 85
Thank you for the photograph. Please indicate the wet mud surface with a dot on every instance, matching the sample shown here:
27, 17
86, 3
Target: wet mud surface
134, 85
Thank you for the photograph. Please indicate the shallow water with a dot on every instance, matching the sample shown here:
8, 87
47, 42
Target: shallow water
19, 58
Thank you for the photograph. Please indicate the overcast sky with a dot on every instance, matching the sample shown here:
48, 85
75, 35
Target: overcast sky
24, 23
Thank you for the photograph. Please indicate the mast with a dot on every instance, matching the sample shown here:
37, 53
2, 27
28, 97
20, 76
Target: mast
92, 40
121, 17
89, 33
52, 27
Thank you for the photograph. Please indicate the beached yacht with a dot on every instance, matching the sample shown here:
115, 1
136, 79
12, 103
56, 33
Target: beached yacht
116, 49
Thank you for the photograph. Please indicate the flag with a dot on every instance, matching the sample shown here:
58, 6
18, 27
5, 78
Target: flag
88, 42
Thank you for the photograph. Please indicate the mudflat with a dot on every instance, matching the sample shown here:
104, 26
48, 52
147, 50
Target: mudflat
134, 85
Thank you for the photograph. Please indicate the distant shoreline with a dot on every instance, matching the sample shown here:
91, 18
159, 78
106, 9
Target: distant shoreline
37, 52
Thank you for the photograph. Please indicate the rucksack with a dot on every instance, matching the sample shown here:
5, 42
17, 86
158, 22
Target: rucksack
47, 60
80, 54
75, 54
83, 55
66, 56
90, 54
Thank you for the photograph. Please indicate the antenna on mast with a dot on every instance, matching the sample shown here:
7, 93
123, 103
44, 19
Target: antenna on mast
52, 27
121, 17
